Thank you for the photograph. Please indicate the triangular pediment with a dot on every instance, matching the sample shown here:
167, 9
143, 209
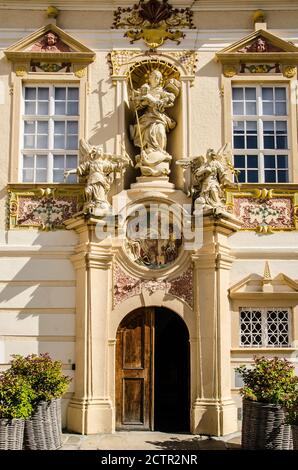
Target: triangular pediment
49, 42
259, 45
255, 284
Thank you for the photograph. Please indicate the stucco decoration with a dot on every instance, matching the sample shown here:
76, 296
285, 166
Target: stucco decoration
45, 208
50, 42
260, 44
264, 210
276, 213
99, 169
210, 175
126, 286
152, 21
150, 243
149, 133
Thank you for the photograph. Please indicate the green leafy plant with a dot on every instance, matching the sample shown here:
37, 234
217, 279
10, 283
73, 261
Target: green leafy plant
16, 396
269, 381
43, 374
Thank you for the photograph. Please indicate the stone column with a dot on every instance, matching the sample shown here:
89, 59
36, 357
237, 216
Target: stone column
90, 410
214, 411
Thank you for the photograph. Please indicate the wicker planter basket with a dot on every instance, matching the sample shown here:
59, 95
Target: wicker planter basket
295, 436
11, 434
43, 429
264, 427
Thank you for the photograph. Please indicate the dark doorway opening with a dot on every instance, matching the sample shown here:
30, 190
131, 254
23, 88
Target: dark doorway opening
171, 373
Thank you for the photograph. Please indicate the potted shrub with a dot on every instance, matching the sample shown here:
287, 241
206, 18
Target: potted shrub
43, 428
269, 386
16, 397
292, 419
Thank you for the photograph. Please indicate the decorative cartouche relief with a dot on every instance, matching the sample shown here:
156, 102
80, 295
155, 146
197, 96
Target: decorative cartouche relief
126, 286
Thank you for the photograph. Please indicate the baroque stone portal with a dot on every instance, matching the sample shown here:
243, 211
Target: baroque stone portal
149, 133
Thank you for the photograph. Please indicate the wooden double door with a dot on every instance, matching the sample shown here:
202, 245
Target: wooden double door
152, 372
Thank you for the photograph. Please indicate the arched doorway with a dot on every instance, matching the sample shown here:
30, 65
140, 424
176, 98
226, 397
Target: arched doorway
152, 371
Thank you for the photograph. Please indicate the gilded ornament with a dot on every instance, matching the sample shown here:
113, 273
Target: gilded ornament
229, 71
152, 21
21, 71
80, 73
289, 71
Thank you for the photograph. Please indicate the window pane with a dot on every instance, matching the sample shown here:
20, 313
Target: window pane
72, 142
282, 176
59, 127
58, 176
269, 142
29, 127
270, 176
59, 141
281, 142
71, 161
72, 179
72, 127
281, 127
239, 161
42, 127
252, 161
59, 161
60, 93
72, 108
42, 108
41, 161
268, 127
251, 127
238, 127
269, 161
267, 93
241, 176
239, 142
280, 93
29, 141
252, 142
251, 108
28, 161
28, 176
73, 93
41, 176
250, 93
30, 107
252, 176
282, 161
238, 108
268, 109
237, 93
30, 93
43, 93
280, 108
42, 142
60, 108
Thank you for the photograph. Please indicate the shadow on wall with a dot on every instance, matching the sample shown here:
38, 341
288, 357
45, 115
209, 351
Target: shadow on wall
37, 294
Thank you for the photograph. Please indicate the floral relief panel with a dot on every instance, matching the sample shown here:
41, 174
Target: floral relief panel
276, 212
126, 286
46, 209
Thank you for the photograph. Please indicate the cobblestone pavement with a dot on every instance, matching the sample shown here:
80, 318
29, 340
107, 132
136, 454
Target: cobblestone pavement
135, 440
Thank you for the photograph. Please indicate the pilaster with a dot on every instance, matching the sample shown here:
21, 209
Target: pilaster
90, 411
213, 411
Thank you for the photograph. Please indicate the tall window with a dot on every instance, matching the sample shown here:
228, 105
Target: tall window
264, 327
50, 137
260, 133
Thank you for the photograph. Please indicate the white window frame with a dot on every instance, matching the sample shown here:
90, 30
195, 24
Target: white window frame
50, 118
260, 118
264, 327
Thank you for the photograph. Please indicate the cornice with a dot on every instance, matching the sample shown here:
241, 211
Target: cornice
202, 5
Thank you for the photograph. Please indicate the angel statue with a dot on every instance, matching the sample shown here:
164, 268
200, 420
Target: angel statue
149, 133
210, 177
99, 168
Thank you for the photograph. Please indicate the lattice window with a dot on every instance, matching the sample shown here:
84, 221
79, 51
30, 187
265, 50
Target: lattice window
264, 327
